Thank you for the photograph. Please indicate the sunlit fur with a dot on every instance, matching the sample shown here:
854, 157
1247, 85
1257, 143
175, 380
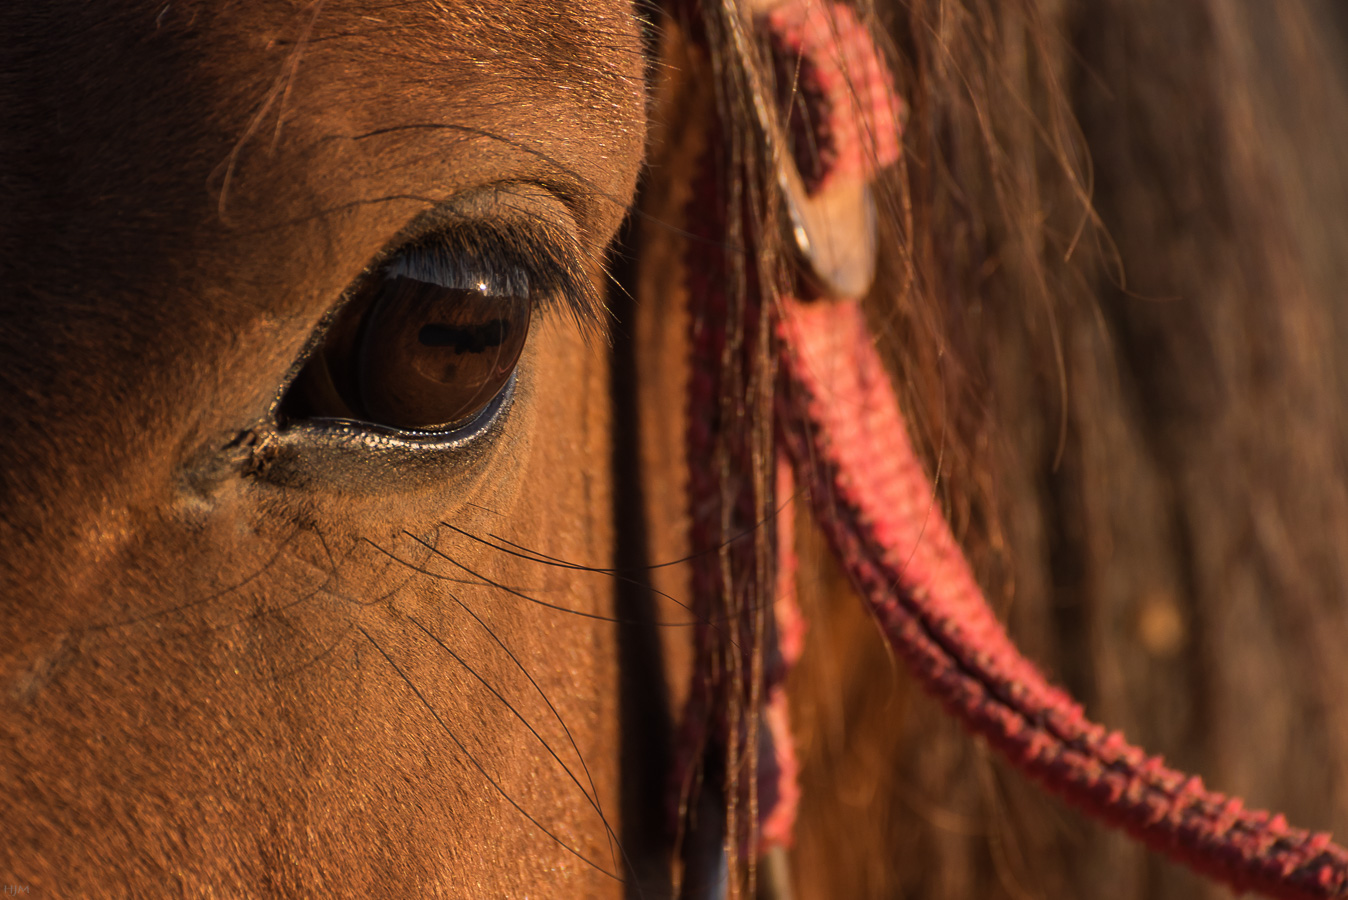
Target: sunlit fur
234, 662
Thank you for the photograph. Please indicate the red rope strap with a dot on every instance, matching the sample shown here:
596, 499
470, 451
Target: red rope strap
841, 109
841, 424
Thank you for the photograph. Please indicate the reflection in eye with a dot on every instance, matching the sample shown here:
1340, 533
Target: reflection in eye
429, 338
432, 357
426, 345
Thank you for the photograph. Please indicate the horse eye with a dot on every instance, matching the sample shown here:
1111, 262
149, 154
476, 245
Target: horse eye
423, 346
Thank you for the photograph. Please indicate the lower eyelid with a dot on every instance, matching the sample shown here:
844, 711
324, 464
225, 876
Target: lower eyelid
383, 436
342, 457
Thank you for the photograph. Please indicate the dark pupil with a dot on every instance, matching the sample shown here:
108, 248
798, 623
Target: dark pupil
431, 357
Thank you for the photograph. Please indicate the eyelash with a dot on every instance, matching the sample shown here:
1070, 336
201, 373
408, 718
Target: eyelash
548, 257
505, 256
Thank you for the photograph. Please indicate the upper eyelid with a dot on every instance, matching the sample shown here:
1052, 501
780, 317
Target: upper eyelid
516, 224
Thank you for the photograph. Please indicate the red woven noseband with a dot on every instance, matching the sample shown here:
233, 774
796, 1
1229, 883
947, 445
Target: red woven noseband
839, 423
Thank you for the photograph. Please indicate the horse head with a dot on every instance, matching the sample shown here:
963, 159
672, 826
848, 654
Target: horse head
417, 421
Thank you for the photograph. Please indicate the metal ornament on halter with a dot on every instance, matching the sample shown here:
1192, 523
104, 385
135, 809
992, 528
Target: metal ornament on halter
840, 262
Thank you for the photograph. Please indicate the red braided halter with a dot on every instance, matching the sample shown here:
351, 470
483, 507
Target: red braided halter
839, 424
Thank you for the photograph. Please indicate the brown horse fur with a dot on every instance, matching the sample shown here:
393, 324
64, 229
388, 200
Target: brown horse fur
231, 660
201, 618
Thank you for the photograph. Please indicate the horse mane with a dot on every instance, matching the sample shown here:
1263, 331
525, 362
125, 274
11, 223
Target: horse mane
1108, 297
1109, 303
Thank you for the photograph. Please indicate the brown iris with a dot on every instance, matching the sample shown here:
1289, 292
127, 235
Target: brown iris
416, 355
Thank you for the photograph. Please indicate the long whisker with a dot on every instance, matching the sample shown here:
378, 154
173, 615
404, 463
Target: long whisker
159, 613
538, 556
625, 575
490, 583
477, 765
593, 799
541, 693
487, 582
510, 548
